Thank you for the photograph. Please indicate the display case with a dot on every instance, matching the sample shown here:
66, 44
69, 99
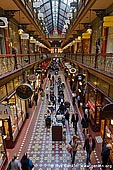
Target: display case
3, 155
13, 122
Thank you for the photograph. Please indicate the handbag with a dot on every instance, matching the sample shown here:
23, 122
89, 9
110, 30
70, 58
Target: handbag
30, 164
69, 148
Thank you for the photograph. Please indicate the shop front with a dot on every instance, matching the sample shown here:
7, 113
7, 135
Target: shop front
13, 121
12, 124
3, 154
107, 125
94, 105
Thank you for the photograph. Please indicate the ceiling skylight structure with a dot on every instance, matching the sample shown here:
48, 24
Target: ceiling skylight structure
54, 13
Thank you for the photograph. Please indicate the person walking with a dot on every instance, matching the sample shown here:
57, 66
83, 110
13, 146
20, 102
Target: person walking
89, 145
35, 98
85, 124
26, 163
74, 145
73, 98
74, 120
14, 164
105, 154
42, 94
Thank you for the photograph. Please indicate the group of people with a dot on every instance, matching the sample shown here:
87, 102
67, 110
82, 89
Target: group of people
23, 164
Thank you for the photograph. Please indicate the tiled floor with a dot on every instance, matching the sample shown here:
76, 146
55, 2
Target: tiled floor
52, 155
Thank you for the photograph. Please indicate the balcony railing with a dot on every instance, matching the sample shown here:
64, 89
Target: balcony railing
10, 62
103, 62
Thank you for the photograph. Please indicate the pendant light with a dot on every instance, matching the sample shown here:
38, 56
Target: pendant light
89, 29
20, 27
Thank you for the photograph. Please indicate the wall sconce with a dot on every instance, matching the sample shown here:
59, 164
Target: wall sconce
79, 38
111, 121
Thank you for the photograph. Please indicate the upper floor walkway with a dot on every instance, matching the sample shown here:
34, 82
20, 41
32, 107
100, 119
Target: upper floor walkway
10, 63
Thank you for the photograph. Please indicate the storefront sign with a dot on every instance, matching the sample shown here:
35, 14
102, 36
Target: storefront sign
108, 24
108, 21
86, 36
80, 77
24, 91
32, 78
38, 70
68, 66
3, 22
5, 110
73, 70
25, 36
33, 41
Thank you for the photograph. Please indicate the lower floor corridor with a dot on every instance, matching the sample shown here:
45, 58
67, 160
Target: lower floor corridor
36, 139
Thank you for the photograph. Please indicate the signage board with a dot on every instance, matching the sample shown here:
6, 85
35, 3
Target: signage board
24, 91
86, 36
108, 19
73, 70
108, 24
80, 77
38, 70
25, 36
32, 78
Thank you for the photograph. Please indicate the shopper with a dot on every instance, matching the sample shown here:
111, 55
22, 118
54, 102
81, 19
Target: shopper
14, 164
35, 98
89, 145
73, 98
26, 163
105, 154
74, 120
74, 145
85, 124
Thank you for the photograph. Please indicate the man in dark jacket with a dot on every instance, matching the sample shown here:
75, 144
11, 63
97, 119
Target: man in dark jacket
105, 154
89, 146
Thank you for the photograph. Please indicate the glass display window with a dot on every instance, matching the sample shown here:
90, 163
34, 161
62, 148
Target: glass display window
16, 82
2, 149
2, 91
20, 79
18, 107
13, 37
25, 46
6, 128
10, 87
13, 115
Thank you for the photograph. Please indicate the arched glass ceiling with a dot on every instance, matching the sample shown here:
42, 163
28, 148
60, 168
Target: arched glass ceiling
54, 13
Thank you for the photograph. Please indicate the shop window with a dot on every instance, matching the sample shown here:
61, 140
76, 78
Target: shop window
2, 151
2, 91
6, 129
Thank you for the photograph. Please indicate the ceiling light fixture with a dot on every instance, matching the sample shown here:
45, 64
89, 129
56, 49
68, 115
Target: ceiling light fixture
89, 30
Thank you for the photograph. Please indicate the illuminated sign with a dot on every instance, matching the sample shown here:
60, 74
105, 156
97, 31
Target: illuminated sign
3, 22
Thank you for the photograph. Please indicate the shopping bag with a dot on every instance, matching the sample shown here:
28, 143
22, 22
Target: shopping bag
69, 148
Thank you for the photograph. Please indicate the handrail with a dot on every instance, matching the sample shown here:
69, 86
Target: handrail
102, 62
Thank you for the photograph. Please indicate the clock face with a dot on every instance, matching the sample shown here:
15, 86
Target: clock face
24, 91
